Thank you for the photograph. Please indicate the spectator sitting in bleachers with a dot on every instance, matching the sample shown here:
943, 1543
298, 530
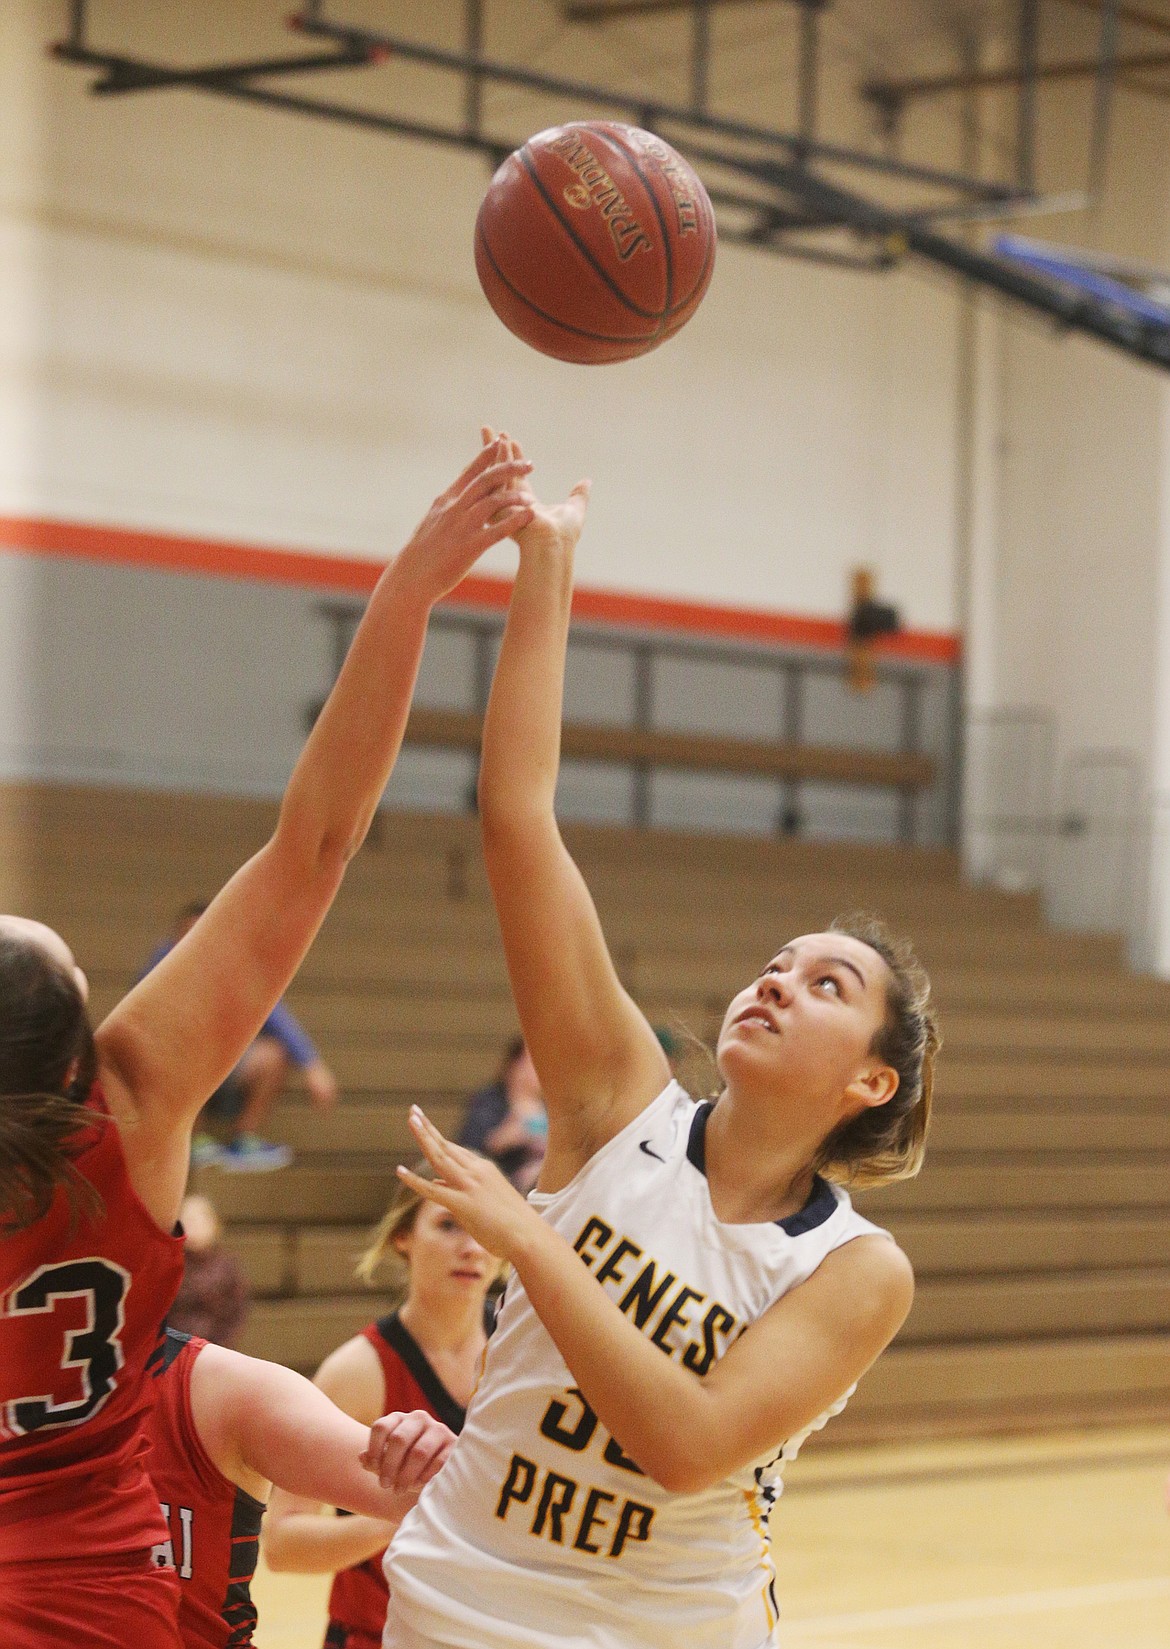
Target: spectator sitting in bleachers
507, 1122
214, 1298
240, 1106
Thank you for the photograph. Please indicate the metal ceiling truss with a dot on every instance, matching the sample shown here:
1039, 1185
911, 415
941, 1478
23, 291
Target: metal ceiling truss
777, 190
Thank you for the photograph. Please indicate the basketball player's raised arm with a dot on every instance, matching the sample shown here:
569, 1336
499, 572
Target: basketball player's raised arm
685, 1430
179, 1032
598, 1060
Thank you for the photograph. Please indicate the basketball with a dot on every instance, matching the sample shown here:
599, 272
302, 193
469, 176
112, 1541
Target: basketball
595, 242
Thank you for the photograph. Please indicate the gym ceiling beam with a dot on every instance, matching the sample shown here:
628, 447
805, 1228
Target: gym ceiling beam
649, 111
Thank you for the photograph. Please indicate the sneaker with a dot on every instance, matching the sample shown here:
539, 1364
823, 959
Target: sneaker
206, 1151
248, 1154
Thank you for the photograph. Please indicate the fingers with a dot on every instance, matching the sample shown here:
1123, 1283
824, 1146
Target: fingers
453, 1165
390, 1440
578, 501
422, 1124
426, 1188
425, 1455
488, 434
425, 1129
435, 1148
406, 1450
495, 503
506, 524
371, 1455
490, 453
505, 472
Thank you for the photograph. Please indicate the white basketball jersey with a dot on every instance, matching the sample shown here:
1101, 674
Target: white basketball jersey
539, 1530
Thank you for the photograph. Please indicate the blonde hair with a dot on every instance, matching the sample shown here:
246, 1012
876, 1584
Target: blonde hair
397, 1221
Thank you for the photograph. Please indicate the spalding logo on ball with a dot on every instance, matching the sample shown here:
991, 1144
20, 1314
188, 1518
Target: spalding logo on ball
595, 242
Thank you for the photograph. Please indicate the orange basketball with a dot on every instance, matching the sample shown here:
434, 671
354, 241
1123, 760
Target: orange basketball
595, 242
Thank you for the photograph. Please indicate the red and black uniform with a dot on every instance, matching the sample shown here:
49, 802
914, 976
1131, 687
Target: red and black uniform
360, 1597
82, 1303
214, 1526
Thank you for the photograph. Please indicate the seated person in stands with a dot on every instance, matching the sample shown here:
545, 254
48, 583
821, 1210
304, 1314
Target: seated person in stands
214, 1297
240, 1106
506, 1121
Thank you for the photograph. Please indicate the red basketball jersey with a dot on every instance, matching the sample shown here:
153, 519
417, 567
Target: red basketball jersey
82, 1303
360, 1597
214, 1526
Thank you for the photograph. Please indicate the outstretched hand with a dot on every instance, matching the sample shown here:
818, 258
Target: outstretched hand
552, 526
487, 502
472, 1188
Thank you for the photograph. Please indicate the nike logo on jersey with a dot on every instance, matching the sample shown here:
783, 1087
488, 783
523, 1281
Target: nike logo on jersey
644, 1145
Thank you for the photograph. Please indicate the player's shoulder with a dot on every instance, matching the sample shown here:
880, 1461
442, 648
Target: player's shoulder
171, 1421
353, 1376
228, 1388
177, 1350
873, 1267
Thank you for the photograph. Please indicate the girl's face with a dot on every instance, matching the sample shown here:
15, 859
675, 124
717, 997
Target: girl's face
445, 1261
804, 1029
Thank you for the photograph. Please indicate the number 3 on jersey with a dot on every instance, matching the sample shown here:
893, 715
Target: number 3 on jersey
65, 1322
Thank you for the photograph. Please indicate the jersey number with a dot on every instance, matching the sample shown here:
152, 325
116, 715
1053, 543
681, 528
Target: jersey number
90, 1354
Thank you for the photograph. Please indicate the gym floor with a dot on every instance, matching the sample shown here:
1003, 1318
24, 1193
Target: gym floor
1053, 1542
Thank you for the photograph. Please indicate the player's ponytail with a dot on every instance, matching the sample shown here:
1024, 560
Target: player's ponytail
888, 1142
47, 1067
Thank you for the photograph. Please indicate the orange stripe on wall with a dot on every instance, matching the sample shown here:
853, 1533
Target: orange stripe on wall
214, 558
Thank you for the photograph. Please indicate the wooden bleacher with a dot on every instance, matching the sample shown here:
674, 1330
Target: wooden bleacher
1040, 1228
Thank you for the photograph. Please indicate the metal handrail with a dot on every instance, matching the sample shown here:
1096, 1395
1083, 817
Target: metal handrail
642, 743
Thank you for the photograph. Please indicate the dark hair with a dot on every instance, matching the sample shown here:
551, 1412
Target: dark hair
47, 1066
192, 911
887, 1142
